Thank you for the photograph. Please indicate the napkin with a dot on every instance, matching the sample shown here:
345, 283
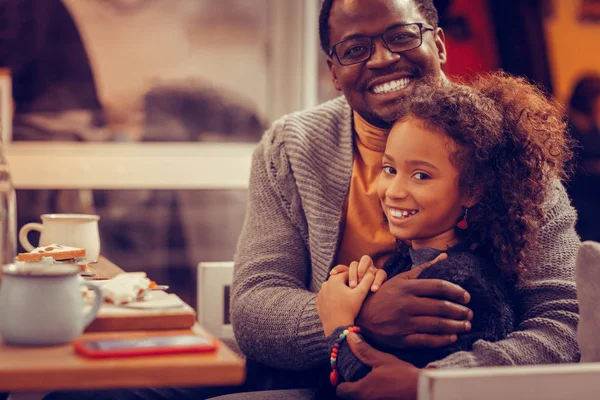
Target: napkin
158, 299
588, 295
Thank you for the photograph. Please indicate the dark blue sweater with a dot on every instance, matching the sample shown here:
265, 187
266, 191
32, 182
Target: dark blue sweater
493, 314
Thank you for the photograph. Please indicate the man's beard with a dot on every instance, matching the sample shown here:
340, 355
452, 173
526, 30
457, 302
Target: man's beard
401, 104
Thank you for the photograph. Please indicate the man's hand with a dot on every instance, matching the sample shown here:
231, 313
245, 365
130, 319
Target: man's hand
409, 312
390, 378
337, 304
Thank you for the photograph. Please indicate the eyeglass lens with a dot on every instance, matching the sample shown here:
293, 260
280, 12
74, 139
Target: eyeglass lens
398, 39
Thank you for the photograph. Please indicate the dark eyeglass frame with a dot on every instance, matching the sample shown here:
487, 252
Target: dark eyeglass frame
422, 28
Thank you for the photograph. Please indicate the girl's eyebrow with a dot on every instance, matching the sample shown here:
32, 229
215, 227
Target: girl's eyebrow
421, 163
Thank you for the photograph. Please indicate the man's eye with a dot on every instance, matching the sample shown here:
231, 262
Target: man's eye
400, 37
403, 37
355, 51
389, 170
420, 176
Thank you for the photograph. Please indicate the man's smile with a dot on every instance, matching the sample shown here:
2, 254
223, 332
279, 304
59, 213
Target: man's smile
390, 86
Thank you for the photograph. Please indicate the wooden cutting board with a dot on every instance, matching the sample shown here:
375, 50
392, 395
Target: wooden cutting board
117, 318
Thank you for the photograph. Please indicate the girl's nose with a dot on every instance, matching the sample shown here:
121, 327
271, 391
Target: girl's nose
397, 189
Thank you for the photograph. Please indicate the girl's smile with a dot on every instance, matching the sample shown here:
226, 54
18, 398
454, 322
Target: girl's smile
400, 215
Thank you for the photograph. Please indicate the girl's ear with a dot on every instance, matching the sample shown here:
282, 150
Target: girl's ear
474, 197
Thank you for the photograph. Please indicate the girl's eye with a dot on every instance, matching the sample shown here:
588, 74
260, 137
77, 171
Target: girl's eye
420, 176
389, 170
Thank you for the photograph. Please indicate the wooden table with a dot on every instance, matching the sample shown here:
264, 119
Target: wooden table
45, 369
105, 268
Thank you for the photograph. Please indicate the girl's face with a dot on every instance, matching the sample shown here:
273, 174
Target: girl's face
419, 186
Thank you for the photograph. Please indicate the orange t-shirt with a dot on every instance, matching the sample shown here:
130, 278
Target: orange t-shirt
363, 230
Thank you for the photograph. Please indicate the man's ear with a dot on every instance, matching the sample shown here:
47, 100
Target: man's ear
334, 78
440, 44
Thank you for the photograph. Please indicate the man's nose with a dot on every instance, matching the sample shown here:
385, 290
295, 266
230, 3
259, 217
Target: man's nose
381, 56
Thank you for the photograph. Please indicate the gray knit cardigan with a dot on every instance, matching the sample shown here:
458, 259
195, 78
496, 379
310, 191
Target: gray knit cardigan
299, 181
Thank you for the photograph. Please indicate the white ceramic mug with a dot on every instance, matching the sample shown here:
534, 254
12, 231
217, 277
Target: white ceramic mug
75, 230
42, 304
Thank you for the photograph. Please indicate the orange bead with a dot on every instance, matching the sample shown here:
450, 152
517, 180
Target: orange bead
334, 378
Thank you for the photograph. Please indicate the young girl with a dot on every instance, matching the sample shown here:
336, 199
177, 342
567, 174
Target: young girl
465, 172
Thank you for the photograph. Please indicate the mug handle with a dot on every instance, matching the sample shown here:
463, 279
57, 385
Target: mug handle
91, 314
32, 226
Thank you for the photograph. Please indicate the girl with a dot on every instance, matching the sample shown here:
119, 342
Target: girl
465, 172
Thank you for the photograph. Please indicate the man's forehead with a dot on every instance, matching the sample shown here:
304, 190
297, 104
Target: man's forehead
364, 17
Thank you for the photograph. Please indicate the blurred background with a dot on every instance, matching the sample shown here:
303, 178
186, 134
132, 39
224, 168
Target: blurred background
221, 71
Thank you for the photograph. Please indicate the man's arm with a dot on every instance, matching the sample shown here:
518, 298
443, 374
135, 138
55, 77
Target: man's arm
273, 314
546, 300
407, 312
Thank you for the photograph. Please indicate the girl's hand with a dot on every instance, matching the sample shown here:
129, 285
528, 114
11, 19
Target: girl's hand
337, 304
357, 271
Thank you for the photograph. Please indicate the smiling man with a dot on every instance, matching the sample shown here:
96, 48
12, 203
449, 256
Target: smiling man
313, 204
376, 69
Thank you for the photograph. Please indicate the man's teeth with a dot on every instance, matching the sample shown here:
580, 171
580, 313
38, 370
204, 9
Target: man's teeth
391, 86
402, 214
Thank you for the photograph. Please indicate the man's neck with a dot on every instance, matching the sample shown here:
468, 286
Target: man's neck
376, 122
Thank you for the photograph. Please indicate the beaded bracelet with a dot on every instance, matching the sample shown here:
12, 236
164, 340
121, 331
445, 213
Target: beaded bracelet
334, 377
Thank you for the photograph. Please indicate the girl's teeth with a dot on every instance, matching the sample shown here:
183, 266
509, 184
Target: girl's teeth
402, 214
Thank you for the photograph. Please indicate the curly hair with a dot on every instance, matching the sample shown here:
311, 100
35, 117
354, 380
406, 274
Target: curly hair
512, 144
425, 7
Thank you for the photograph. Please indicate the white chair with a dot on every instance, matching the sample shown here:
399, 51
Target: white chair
588, 294
214, 281
548, 382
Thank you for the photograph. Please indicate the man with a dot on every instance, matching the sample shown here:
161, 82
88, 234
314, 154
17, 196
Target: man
312, 205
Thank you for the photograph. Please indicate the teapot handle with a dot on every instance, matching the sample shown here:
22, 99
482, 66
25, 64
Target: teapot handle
98, 300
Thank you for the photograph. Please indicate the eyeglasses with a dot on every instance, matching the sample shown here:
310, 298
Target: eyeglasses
397, 39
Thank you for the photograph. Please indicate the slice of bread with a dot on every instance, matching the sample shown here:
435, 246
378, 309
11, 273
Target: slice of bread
56, 251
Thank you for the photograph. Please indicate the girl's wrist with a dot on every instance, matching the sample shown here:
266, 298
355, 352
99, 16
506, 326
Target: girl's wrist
332, 325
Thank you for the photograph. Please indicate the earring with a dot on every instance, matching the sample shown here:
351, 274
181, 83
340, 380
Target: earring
463, 224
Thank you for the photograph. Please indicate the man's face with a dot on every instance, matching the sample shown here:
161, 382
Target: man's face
360, 82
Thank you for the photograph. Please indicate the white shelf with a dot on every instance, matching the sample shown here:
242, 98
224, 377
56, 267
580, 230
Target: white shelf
72, 165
